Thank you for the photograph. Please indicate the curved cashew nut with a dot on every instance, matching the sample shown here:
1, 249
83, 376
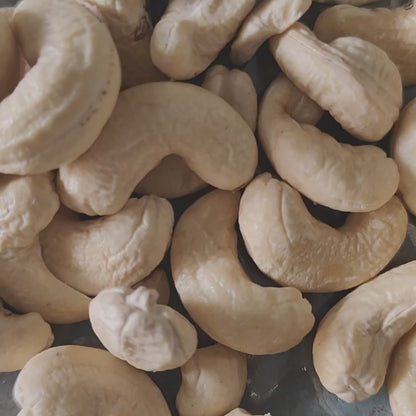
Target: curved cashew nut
351, 78
56, 37
78, 381
340, 176
150, 122
355, 339
246, 317
118, 250
22, 337
157, 280
295, 249
28, 205
242, 412
134, 328
215, 371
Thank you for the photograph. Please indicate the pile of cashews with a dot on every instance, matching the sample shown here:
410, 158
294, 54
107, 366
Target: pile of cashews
98, 129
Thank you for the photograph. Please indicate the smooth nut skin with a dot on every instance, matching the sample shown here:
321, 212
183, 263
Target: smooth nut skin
214, 371
295, 249
158, 281
340, 176
245, 317
351, 78
78, 381
150, 122
241, 412
118, 250
191, 33
352, 347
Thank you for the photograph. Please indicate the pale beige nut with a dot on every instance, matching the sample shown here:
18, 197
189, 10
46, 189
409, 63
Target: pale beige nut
269, 18
118, 250
135, 328
295, 249
351, 78
151, 121
245, 317
78, 381
22, 337
158, 281
352, 347
214, 371
242, 412
190, 34
340, 176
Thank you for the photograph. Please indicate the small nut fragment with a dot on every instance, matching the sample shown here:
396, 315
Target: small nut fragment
158, 281
242, 412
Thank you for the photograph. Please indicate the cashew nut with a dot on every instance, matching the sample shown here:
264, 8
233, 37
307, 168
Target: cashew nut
242, 412
340, 176
78, 381
219, 295
134, 328
351, 78
151, 121
355, 339
213, 372
157, 280
295, 249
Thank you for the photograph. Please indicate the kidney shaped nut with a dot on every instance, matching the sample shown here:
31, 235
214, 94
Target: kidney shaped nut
134, 328
157, 280
351, 78
219, 295
78, 381
214, 371
150, 122
241, 412
295, 249
352, 347
340, 176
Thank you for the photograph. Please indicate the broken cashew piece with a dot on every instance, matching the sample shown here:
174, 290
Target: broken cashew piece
245, 317
242, 412
295, 249
336, 175
151, 121
215, 371
135, 328
351, 78
352, 347
78, 381
157, 280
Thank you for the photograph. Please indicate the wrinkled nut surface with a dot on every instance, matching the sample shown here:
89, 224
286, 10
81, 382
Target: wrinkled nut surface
150, 122
190, 34
336, 175
135, 328
78, 381
218, 294
355, 339
351, 78
269, 18
118, 250
157, 280
215, 371
295, 249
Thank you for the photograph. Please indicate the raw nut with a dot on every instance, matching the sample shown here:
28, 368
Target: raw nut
158, 281
241, 412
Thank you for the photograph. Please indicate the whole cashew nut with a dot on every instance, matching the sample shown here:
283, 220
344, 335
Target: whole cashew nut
157, 280
219, 295
242, 412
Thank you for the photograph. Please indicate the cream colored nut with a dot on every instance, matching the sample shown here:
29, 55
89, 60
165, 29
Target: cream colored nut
157, 280
150, 122
352, 347
351, 78
58, 109
353, 2
27, 206
241, 412
295, 249
118, 250
191, 33
213, 372
218, 294
340, 176
135, 328
22, 337
269, 18
78, 381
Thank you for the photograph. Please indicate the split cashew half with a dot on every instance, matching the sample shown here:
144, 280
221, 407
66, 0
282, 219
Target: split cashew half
150, 122
213, 372
217, 292
295, 249
242, 412
157, 280
351, 78
355, 339
78, 381
340, 176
